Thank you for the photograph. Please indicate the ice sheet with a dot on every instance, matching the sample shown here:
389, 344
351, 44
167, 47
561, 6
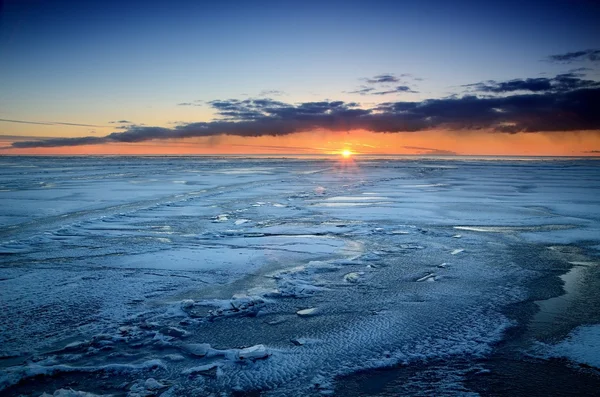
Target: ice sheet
282, 273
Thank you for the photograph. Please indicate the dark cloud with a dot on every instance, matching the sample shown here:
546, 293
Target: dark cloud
585, 55
562, 82
433, 151
398, 89
383, 83
382, 79
571, 104
56, 142
580, 70
120, 122
362, 90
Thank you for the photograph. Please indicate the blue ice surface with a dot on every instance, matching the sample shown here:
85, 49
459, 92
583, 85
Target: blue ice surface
127, 261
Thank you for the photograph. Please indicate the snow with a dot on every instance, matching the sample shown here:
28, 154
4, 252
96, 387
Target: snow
214, 276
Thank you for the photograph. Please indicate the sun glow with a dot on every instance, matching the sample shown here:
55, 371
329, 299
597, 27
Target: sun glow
346, 153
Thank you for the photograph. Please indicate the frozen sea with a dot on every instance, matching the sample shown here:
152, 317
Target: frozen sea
180, 276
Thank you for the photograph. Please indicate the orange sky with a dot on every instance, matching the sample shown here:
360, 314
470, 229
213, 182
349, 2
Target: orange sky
581, 143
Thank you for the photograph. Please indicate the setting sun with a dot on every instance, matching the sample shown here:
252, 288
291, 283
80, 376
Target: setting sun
346, 153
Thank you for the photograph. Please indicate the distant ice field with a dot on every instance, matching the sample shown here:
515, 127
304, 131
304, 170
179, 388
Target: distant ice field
178, 276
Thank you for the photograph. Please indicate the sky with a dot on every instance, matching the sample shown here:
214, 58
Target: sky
311, 77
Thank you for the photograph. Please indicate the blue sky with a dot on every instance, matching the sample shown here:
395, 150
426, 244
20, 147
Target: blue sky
93, 62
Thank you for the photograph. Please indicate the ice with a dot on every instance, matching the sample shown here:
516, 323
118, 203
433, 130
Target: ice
153, 384
200, 369
582, 345
211, 276
428, 277
197, 349
353, 277
308, 312
73, 393
257, 352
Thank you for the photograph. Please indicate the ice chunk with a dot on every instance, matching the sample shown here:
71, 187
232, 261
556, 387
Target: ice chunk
201, 369
153, 384
370, 256
457, 251
256, 352
428, 277
174, 332
241, 221
197, 349
353, 277
303, 341
221, 218
308, 312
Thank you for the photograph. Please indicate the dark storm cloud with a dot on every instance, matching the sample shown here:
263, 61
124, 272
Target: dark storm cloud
570, 104
585, 55
562, 82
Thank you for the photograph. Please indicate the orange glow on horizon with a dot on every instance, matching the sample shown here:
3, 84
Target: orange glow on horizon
484, 143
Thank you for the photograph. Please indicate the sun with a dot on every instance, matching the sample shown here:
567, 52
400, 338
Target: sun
346, 153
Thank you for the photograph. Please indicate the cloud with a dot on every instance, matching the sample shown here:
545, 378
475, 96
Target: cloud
433, 151
197, 102
52, 123
120, 122
363, 90
382, 79
562, 82
56, 142
388, 78
267, 93
571, 104
592, 55
398, 89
